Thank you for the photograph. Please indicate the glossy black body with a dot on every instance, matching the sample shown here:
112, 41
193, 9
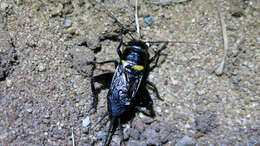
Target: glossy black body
127, 89
127, 80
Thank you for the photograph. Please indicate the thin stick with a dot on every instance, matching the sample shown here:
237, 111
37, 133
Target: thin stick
136, 20
73, 138
220, 69
167, 2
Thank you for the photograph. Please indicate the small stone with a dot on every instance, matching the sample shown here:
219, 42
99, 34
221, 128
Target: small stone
29, 110
158, 110
201, 92
41, 67
4, 6
72, 31
67, 23
146, 119
184, 60
174, 82
196, 57
187, 126
133, 142
155, 8
220, 69
206, 123
152, 137
139, 126
186, 141
56, 11
134, 133
9, 83
100, 135
86, 121
148, 20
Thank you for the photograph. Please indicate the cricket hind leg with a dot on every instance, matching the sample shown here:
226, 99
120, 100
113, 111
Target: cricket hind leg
144, 102
105, 79
111, 131
121, 131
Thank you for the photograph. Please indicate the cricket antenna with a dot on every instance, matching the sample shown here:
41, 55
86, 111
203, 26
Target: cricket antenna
111, 15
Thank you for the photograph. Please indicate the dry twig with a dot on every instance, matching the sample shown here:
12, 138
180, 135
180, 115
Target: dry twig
137, 21
73, 138
219, 70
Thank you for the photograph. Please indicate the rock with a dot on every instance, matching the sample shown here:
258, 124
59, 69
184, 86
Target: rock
4, 6
41, 67
56, 11
151, 136
67, 23
139, 126
8, 83
72, 30
148, 20
183, 60
133, 142
134, 133
146, 119
158, 110
86, 121
201, 92
220, 68
186, 141
206, 123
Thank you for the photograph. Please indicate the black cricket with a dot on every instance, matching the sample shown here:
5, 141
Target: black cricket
127, 91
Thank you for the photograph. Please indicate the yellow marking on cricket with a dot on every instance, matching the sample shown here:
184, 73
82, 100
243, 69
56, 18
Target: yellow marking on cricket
138, 67
125, 63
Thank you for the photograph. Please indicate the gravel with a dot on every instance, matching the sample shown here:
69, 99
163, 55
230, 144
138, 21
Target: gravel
45, 79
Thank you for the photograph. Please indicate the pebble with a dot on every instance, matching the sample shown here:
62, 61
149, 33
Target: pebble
29, 110
158, 110
206, 123
72, 31
67, 23
184, 60
86, 121
220, 69
9, 83
134, 133
4, 6
100, 134
139, 126
186, 141
148, 20
201, 92
41, 67
146, 119
151, 136
55, 11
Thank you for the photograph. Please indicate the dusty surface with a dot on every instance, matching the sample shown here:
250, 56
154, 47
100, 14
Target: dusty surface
45, 81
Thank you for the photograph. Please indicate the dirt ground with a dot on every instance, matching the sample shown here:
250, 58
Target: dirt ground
45, 81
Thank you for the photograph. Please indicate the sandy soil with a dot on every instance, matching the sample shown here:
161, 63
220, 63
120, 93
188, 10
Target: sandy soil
45, 81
